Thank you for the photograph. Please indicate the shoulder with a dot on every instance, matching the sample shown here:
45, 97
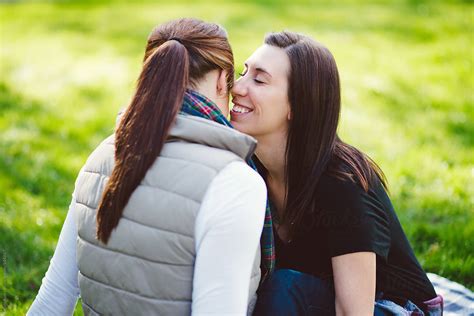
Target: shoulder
198, 154
355, 220
101, 158
101, 161
344, 196
334, 188
236, 193
237, 176
237, 185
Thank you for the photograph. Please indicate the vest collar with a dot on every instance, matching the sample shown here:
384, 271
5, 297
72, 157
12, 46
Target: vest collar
202, 131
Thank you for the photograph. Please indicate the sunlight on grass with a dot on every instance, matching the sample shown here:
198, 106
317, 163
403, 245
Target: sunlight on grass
406, 73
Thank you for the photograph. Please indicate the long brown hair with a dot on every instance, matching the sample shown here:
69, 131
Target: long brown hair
313, 146
177, 55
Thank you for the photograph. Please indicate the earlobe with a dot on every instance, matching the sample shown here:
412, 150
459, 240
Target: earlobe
222, 91
289, 116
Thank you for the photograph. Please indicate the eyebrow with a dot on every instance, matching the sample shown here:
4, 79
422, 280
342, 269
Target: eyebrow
259, 69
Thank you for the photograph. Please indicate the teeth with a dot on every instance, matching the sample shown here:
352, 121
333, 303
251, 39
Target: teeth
240, 109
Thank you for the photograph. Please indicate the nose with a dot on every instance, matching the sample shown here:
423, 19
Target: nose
239, 88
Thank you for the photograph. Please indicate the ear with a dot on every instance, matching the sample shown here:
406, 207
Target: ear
222, 83
290, 115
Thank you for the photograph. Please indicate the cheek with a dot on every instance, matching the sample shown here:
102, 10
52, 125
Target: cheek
279, 104
262, 99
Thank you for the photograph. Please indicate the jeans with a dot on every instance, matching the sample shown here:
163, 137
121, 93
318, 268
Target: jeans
289, 292
293, 293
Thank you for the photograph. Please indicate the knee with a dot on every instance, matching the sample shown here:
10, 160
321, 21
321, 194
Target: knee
294, 292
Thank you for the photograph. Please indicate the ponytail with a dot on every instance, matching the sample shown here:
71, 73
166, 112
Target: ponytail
143, 129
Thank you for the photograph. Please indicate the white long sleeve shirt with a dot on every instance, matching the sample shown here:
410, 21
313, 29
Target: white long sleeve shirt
227, 233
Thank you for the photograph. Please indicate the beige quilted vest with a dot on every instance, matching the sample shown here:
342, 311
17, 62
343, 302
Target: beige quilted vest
147, 266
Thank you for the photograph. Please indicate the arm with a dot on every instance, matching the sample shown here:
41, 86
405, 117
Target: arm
227, 234
59, 289
359, 235
354, 283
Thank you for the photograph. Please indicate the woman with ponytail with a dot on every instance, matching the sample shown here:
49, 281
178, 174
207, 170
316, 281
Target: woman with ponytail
166, 215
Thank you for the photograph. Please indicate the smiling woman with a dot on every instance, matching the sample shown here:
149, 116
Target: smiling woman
260, 99
340, 247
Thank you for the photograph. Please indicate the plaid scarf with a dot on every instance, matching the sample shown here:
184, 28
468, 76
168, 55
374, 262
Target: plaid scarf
198, 105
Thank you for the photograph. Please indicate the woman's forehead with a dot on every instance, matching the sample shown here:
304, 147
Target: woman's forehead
271, 59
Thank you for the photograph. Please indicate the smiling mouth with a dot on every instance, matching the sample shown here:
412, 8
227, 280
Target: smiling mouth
239, 109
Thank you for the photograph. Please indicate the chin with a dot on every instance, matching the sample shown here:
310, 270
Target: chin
243, 128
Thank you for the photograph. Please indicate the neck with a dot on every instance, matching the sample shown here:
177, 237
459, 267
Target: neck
271, 153
207, 86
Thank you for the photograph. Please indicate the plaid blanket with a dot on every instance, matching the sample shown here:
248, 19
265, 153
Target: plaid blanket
458, 300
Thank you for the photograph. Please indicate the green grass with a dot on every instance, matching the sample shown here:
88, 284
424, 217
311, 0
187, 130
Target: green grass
66, 68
